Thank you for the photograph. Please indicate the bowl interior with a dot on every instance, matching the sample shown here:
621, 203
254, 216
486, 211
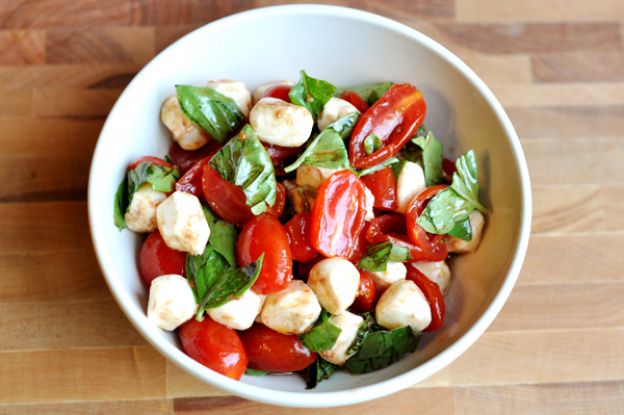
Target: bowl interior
346, 48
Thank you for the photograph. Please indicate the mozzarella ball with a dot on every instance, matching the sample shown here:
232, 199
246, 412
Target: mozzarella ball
457, 245
349, 325
235, 90
301, 198
171, 302
370, 202
141, 214
395, 271
333, 110
335, 282
292, 310
312, 176
410, 182
281, 123
437, 271
403, 304
188, 135
239, 313
182, 223
258, 94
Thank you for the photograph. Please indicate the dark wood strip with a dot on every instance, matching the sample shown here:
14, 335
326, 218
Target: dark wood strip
585, 66
138, 407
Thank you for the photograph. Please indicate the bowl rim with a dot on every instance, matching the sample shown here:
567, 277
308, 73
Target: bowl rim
361, 393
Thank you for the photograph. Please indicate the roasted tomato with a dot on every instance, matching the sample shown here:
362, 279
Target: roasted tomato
224, 198
382, 184
366, 296
156, 259
278, 91
185, 159
432, 294
191, 182
280, 202
432, 245
355, 100
298, 232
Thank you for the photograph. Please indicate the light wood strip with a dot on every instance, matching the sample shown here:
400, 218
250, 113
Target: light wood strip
67, 76
585, 66
182, 385
72, 103
136, 407
15, 102
512, 69
560, 94
22, 47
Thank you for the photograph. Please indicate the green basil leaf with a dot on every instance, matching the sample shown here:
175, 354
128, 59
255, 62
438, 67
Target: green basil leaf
382, 348
256, 372
212, 111
444, 211
378, 255
462, 230
121, 204
326, 150
382, 165
368, 326
318, 371
465, 179
372, 143
344, 126
246, 163
222, 236
432, 157
311, 93
370, 92
322, 336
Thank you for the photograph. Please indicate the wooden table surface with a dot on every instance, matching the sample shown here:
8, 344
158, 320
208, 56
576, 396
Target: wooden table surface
558, 345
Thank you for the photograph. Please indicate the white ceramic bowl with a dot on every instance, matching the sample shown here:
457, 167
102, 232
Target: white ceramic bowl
346, 47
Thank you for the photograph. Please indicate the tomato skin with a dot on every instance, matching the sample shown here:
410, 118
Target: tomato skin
214, 346
379, 228
278, 91
298, 232
149, 159
191, 182
355, 100
275, 352
338, 215
224, 198
156, 259
279, 153
383, 185
432, 245
265, 234
395, 117
366, 296
303, 268
434, 296
280, 201
185, 159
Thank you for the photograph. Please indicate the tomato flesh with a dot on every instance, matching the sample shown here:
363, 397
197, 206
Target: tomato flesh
298, 232
191, 182
279, 154
275, 352
381, 226
214, 346
149, 159
264, 234
280, 201
366, 296
355, 100
382, 184
432, 245
432, 293
338, 215
278, 91
156, 259
185, 159
224, 198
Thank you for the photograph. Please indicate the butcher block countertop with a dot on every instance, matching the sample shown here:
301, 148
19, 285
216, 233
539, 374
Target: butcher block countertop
557, 347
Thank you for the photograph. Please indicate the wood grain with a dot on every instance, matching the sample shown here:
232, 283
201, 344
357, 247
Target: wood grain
585, 66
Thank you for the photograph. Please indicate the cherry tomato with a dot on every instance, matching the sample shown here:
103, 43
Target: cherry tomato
303, 268
432, 294
448, 167
394, 119
338, 215
279, 154
432, 245
280, 202
381, 226
265, 234
185, 159
224, 198
149, 159
366, 296
383, 185
278, 91
191, 182
355, 100
214, 346
275, 352
156, 259
298, 232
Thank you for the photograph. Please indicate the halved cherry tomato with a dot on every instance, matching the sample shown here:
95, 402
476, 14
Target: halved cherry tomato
215, 346
279, 153
280, 201
278, 91
191, 182
275, 352
432, 245
298, 232
156, 259
432, 294
149, 159
338, 215
303, 268
381, 226
265, 234
366, 296
383, 185
394, 119
360, 247
185, 159
355, 100
224, 198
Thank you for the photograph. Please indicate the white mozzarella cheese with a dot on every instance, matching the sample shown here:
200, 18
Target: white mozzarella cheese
349, 325
333, 110
395, 271
182, 223
370, 202
292, 310
403, 304
437, 271
239, 313
410, 182
335, 282
188, 135
235, 90
141, 214
281, 123
312, 176
457, 245
258, 94
171, 302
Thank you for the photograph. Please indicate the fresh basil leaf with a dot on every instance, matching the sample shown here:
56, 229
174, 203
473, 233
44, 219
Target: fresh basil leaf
311, 93
372, 143
326, 150
382, 165
121, 204
214, 112
444, 211
256, 372
382, 348
462, 230
322, 336
344, 126
246, 163
368, 326
318, 371
222, 236
378, 255
465, 179
432, 157
370, 92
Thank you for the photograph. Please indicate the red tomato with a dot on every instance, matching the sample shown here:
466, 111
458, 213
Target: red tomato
383, 185
185, 159
279, 154
448, 167
355, 100
265, 234
278, 91
381, 226
338, 215
214, 346
280, 202
303, 268
366, 295
191, 182
224, 198
394, 119
275, 352
156, 259
432, 294
432, 245
149, 159
298, 232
